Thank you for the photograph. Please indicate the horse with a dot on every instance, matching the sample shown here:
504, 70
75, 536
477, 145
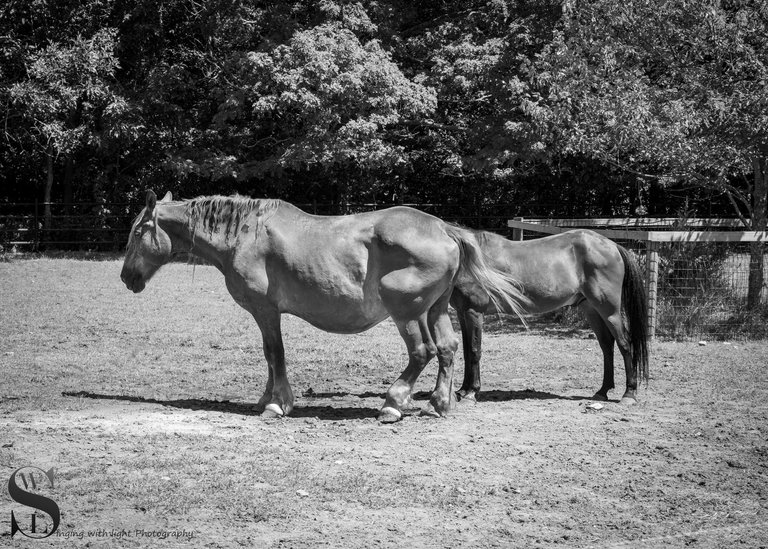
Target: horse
342, 274
578, 267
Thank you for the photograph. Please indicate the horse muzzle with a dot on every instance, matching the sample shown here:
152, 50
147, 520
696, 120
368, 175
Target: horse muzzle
133, 281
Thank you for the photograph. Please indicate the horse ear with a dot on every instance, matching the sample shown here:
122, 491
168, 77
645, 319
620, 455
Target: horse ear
151, 200
168, 197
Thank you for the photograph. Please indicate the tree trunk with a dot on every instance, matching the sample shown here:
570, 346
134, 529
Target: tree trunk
68, 221
69, 191
47, 215
759, 217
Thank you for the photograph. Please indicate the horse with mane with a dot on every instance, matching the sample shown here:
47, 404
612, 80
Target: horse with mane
343, 274
578, 267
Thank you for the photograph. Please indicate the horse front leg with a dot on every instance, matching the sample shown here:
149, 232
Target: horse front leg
267, 396
278, 396
471, 322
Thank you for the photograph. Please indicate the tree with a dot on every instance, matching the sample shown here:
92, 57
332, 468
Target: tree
67, 101
676, 91
324, 100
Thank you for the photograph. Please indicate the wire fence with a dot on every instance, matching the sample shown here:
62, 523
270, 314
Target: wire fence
703, 291
702, 286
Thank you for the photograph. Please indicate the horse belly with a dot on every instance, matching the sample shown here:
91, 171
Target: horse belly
342, 316
544, 302
338, 293
549, 284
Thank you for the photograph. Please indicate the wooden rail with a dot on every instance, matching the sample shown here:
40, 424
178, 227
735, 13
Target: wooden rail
693, 222
643, 236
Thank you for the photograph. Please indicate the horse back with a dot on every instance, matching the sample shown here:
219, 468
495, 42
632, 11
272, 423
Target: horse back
314, 266
553, 271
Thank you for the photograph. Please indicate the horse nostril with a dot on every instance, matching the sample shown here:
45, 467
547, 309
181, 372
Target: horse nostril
126, 276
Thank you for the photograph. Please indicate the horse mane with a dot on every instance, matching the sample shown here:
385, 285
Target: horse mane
227, 212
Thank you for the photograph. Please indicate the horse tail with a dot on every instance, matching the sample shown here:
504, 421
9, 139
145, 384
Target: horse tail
636, 310
505, 292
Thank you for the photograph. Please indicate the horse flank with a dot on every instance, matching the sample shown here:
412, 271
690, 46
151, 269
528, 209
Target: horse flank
213, 212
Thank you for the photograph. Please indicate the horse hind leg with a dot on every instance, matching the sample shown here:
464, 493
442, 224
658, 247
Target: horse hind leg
421, 349
471, 322
443, 398
630, 394
618, 329
606, 341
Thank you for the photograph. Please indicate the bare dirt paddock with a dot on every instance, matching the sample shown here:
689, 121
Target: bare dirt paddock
143, 407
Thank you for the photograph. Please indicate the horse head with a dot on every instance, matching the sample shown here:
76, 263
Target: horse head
149, 246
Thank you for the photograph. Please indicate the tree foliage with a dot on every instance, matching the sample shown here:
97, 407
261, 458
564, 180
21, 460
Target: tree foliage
474, 101
67, 100
678, 90
324, 99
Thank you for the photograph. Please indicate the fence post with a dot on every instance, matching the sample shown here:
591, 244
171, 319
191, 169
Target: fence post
36, 243
517, 234
652, 268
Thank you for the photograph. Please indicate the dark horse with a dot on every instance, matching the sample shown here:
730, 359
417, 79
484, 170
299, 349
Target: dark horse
342, 274
577, 267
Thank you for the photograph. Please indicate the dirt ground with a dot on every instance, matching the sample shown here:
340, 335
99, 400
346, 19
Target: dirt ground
143, 406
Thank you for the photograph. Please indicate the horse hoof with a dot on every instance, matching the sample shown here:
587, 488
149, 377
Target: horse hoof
410, 407
272, 410
429, 412
468, 400
600, 397
390, 415
436, 408
628, 401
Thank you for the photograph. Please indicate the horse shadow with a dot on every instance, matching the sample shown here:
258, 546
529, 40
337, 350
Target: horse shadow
320, 412
330, 413
506, 396
526, 394
483, 396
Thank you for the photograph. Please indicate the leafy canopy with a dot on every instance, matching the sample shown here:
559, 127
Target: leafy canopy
679, 87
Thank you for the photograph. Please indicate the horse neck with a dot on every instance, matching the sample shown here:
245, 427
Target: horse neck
210, 246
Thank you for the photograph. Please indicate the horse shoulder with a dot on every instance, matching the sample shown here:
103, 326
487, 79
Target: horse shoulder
246, 273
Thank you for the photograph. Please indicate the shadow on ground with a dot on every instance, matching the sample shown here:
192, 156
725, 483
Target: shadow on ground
324, 412
526, 394
240, 408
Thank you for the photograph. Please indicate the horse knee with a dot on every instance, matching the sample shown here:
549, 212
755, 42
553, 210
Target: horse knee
447, 347
423, 353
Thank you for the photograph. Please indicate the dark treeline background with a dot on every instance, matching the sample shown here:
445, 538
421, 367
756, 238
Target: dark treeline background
572, 108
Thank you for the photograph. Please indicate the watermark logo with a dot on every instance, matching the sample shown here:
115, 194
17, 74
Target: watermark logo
25, 487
